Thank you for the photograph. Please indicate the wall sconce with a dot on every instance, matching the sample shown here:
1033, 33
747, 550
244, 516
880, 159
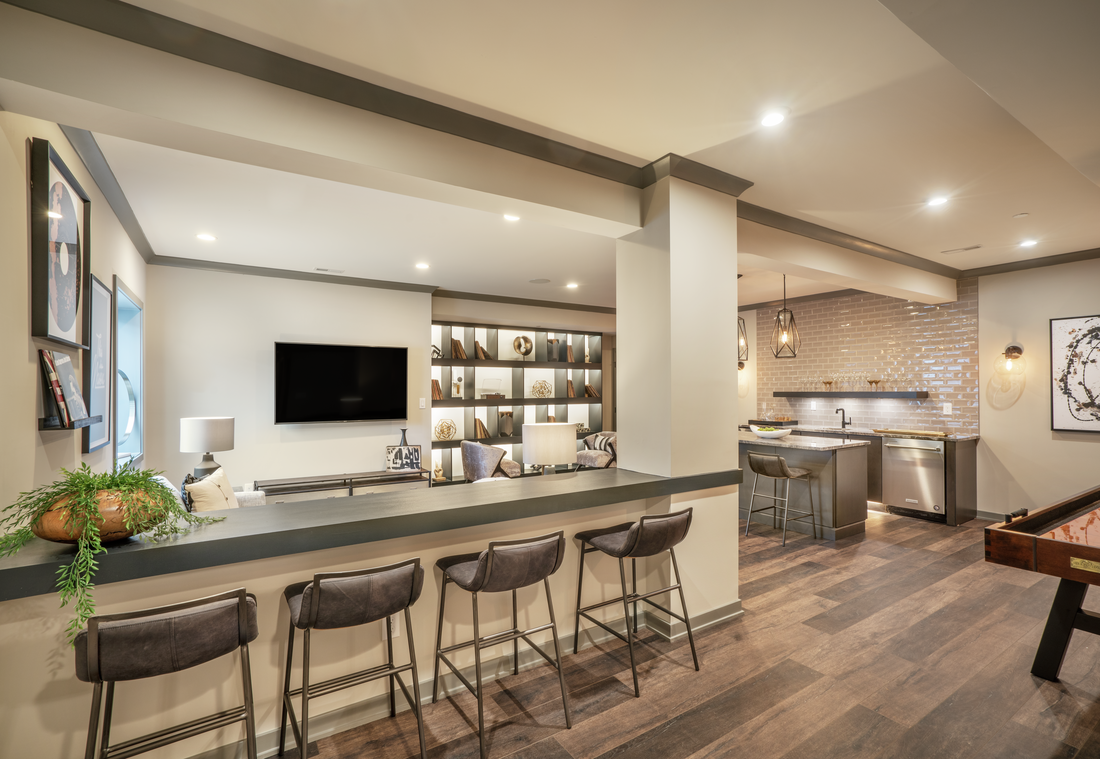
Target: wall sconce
1006, 386
742, 342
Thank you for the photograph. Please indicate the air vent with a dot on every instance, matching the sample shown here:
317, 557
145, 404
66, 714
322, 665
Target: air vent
959, 250
328, 271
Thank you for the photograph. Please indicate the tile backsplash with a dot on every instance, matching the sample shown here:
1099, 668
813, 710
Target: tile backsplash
909, 345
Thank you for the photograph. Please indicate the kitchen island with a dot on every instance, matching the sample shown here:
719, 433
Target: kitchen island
838, 479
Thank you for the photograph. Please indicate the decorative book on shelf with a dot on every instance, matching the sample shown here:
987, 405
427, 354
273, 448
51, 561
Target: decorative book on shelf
457, 351
569, 391
480, 430
437, 391
480, 352
590, 392
70, 386
54, 398
569, 354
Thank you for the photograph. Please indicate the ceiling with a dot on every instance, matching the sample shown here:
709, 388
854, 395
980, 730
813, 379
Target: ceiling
990, 103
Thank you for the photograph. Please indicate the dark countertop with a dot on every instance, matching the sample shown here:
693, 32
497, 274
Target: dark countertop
281, 529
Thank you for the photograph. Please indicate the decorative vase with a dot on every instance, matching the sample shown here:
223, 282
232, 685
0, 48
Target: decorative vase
112, 510
552, 344
403, 442
505, 427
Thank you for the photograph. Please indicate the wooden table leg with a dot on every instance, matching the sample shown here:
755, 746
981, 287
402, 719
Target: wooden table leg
1059, 629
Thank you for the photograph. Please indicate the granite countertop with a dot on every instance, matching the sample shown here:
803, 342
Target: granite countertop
872, 433
801, 443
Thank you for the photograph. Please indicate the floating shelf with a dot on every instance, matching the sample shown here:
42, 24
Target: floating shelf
52, 423
516, 364
912, 394
494, 402
510, 440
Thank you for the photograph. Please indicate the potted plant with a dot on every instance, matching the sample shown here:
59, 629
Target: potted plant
90, 509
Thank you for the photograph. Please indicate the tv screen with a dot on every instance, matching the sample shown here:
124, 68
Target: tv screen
339, 383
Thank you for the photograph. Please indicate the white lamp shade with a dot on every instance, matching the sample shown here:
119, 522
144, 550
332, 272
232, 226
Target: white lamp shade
205, 434
550, 443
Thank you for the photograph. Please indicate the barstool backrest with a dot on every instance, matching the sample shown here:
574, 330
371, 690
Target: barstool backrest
510, 564
138, 644
347, 599
769, 465
657, 532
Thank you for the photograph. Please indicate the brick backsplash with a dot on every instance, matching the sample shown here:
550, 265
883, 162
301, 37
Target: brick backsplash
933, 348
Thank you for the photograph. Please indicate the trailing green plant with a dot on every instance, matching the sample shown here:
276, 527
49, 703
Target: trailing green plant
149, 508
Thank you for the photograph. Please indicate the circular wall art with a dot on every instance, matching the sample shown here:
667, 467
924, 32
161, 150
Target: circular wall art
541, 389
64, 258
445, 429
523, 345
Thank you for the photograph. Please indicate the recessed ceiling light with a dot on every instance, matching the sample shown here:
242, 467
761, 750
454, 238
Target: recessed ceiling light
937, 201
421, 266
572, 285
510, 217
771, 118
1028, 244
539, 281
206, 238
1019, 216
53, 214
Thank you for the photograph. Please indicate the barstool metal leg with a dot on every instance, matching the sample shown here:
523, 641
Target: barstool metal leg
515, 628
634, 589
580, 580
683, 605
813, 517
439, 639
303, 748
418, 710
249, 706
752, 501
286, 690
786, 506
389, 660
477, 681
93, 721
108, 710
557, 653
629, 635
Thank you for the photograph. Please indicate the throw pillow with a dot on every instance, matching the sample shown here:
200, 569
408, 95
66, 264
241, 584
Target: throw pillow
212, 492
604, 443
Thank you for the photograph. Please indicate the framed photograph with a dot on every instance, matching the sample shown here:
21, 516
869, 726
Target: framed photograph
97, 364
402, 458
1075, 374
61, 217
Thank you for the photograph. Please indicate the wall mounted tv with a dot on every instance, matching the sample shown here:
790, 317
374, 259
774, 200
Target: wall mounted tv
339, 383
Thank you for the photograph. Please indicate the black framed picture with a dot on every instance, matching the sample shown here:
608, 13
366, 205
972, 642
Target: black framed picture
1075, 374
97, 364
61, 217
402, 458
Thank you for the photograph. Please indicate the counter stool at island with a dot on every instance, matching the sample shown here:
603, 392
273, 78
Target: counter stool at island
775, 468
333, 600
648, 537
140, 644
506, 565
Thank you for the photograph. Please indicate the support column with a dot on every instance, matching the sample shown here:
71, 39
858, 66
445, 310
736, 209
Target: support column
676, 332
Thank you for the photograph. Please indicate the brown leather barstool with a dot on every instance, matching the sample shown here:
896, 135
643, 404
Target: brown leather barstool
649, 536
775, 467
332, 600
506, 565
140, 644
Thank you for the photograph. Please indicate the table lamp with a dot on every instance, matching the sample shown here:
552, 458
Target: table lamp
549, 444
204, 434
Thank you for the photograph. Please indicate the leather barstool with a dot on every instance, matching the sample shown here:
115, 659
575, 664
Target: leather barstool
141, 644
333, 600
649, 536
506, 565
775, 468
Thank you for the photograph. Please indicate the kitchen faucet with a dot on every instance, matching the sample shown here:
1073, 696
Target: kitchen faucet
843, 422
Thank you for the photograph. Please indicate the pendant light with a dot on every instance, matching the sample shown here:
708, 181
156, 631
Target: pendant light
785, 339
742, 340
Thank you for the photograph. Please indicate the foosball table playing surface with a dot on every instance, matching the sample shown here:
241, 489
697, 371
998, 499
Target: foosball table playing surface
1062, 540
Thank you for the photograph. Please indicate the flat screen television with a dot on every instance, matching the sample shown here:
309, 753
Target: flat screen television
339, 383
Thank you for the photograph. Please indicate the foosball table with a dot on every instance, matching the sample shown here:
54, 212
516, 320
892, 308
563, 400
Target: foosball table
1062, 540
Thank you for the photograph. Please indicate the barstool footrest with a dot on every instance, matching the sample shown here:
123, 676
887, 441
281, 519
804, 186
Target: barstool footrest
170, 735
348, 681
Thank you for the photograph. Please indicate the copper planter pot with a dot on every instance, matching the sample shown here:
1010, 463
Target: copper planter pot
52, 524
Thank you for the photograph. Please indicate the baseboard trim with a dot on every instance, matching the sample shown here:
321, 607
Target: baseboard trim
377, 707
991, 516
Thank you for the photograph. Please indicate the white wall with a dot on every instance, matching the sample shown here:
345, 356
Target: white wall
1021, 462
210, 352
29, 458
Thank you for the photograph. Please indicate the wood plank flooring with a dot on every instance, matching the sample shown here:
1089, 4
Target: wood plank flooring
900, 643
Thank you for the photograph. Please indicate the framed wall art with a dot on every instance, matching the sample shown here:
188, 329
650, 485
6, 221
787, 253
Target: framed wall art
97, 364
402, 458
61, 217
1075, 374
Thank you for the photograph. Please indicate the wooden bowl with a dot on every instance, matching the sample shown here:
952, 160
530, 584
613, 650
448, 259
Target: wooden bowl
52, 524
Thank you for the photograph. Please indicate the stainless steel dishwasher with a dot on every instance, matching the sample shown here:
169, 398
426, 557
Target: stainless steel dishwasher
913, 478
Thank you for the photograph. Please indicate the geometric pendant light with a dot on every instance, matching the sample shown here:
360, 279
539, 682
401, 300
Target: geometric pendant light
785, 340
742, 340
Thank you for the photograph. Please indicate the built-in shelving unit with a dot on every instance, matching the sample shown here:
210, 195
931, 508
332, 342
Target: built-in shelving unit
503, 370
53, 423
911, 394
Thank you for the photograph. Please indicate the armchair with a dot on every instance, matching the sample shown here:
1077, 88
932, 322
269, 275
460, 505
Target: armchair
483, 462
599, 451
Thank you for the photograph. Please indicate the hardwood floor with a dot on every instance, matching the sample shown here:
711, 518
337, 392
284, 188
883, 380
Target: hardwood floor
899, 643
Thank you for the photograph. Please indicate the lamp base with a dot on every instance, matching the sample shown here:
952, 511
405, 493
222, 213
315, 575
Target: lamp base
207, 466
